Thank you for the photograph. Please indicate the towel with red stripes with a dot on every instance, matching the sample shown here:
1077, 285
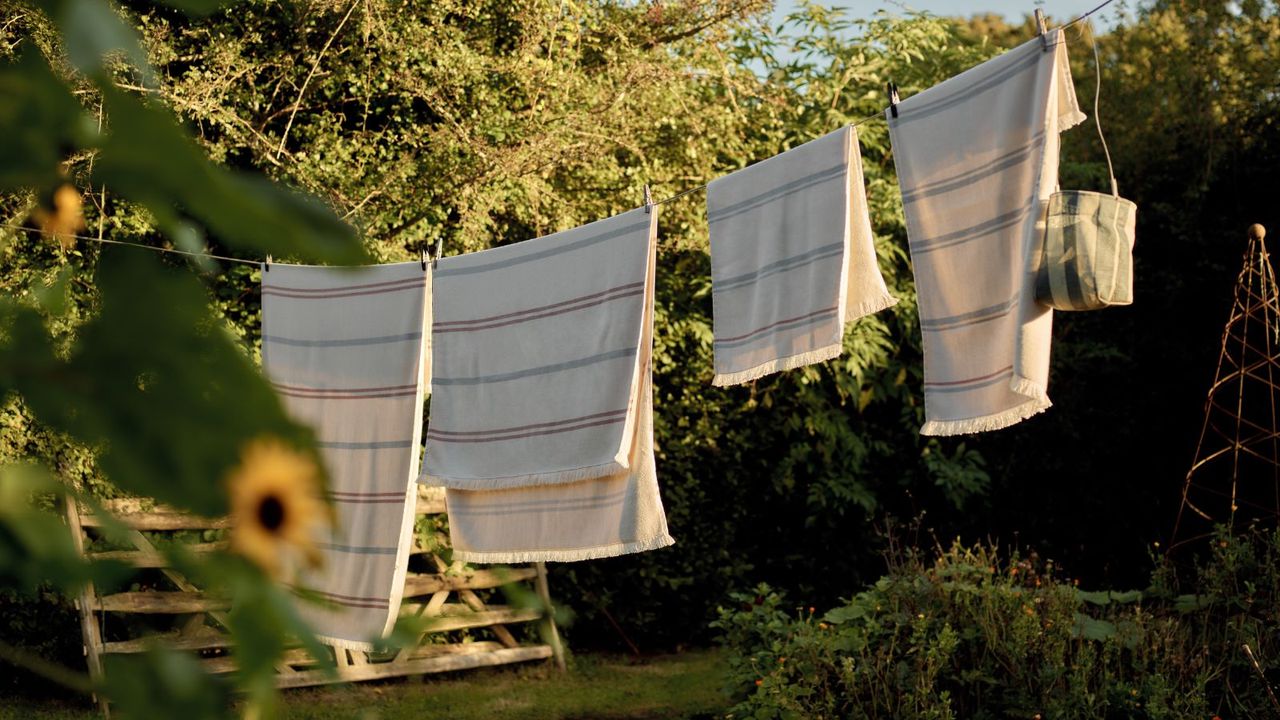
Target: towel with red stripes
541, 412
977, 159
344, 349
792, 259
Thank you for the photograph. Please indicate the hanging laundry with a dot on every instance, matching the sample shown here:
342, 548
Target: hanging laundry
541, 418
344, 349
792, 259
977, 158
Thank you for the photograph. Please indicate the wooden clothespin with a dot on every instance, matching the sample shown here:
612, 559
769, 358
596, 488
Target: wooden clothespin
423, 258
435, 258
1044, 31
893, 98
648, 200
266, 266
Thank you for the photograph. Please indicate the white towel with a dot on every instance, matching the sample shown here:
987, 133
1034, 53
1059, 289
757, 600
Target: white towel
605, 517
977, 157
542, 414
792, 258
537, 357
344, 349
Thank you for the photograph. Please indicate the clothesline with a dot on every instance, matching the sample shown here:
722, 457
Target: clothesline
673, 198
211, 256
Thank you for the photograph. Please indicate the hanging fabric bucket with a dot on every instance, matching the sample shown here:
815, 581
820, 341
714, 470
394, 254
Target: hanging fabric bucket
1087, 258
1088, 251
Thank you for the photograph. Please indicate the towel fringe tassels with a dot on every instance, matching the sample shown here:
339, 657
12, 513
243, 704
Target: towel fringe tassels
571, 555
1037, 402
781, 364
869, 307
341, 644
821, 354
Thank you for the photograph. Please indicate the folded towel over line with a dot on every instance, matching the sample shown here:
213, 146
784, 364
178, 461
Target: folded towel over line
792, 258
541, 418
344, 349
977, 158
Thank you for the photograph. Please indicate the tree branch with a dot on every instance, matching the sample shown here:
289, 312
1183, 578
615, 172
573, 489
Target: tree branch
314, 66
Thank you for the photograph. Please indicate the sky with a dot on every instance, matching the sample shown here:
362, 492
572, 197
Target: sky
1058, 10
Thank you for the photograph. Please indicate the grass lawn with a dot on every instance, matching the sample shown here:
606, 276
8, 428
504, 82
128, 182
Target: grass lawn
597, 687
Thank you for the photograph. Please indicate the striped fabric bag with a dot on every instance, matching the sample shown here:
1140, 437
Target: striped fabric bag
792, 259
343, 348
541, 415
1088, 251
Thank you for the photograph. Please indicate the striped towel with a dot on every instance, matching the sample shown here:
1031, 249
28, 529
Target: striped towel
541, 418
977, 159
343, 348
792, 259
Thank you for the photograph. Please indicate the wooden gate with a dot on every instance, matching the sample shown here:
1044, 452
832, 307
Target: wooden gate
446, 593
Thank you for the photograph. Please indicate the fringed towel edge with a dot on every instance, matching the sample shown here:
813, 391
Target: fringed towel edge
809, 357
870, 307
779, 365
1037, 402
565, 555
344, 644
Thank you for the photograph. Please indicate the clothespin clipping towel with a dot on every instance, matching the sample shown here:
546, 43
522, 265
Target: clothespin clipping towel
435, 257
648, 200
893, 98
266, 266
1040, 26
423, 258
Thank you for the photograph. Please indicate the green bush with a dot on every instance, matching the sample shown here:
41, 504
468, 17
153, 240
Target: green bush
972, 635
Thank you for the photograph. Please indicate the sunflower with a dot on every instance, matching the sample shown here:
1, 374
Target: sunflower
63, 217
276, 506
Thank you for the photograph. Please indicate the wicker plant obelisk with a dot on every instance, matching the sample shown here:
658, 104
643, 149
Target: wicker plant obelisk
1235, 476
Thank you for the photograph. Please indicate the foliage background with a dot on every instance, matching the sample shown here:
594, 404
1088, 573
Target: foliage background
475, 124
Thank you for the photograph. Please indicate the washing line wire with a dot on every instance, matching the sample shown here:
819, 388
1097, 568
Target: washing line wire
175, 251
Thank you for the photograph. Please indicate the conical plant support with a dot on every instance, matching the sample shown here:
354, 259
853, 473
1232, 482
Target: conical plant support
1236, 471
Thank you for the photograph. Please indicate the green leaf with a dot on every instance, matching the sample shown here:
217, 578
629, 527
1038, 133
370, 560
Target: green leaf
154, 382
1192, 603
164, 684
93, 32
35, 545
54, 296
846, 613
39, 122
1091, 628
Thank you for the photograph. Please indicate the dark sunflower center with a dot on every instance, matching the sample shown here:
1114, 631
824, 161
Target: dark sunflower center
271, 513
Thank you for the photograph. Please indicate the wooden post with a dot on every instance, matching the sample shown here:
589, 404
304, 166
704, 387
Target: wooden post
85, 604
553, 634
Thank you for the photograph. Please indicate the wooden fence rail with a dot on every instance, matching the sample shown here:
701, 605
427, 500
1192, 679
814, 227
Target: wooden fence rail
199, 622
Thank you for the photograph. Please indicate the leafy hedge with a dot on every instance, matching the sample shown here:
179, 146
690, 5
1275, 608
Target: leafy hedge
970, 634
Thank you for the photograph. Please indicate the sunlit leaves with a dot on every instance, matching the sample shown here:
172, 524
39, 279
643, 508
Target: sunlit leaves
40, 121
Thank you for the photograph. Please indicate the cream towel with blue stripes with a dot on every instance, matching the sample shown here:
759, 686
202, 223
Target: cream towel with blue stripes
977, 158
541, 422
792, 259
343, 348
